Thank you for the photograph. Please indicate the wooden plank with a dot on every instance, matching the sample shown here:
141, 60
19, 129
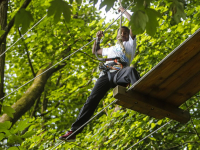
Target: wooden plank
190, 88
175, 81
142, 103
139, 109
169, 64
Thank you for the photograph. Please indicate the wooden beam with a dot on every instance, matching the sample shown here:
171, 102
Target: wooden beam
139, 109
151, 106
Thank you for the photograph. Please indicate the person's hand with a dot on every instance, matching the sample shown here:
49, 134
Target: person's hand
121, 9
99, 35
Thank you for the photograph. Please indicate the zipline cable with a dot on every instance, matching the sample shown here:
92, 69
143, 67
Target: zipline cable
163, 60
85, 124
63, 58
22, 36
107, 105
118, 17
149, 134
48, 69
62, 61
160, 127
119, 39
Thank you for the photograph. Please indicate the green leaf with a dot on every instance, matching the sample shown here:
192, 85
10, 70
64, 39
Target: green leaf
67, 12
159, 122
22, 125
5, 126
79, 1
14, 139
153, 125
108, 4
28, 134
58, 7
140, 3
152, 24
2, 136
24, 18
13, 148
177, 11
8, 110
138, 22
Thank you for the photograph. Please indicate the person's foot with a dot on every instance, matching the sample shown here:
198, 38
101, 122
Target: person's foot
68, 136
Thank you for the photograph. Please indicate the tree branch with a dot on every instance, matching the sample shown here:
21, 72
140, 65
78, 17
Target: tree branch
31, 95
27, 52
2, 1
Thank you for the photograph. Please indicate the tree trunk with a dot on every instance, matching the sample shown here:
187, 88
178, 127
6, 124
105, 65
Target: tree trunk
11, 23
30, 96
3, 24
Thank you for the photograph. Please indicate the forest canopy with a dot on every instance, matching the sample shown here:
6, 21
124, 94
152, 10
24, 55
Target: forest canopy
40, 38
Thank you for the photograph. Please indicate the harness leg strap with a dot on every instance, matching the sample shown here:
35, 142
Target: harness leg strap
109, 78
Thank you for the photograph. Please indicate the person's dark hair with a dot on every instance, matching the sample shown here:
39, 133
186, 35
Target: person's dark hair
124, 28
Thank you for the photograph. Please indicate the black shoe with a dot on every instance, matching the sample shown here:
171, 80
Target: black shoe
68, 137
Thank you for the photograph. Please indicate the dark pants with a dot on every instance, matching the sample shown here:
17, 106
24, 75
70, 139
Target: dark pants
123, 77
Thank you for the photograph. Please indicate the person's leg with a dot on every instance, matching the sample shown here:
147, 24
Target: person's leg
100, 89
126, 76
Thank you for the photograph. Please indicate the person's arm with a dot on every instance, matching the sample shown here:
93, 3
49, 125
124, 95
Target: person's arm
99, 49
128, 16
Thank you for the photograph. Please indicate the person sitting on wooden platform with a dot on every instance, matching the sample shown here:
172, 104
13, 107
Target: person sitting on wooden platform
117, 73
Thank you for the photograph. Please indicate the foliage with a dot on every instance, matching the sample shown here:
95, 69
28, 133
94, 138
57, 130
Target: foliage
70, 25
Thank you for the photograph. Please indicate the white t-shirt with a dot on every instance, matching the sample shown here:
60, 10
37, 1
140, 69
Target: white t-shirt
116, 51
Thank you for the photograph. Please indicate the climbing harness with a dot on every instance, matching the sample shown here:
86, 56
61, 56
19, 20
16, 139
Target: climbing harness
117, 64
59, 63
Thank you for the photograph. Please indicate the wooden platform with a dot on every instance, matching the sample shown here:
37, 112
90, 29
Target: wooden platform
169, 84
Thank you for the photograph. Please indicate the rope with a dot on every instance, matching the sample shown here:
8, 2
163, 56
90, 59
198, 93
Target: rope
48, 69
164, 59
85, 123
149, 134
117, 17
120, 35
22, 36
107, 105
147, 74
63, 58
59, 63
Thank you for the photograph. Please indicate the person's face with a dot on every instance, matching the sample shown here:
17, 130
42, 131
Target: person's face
125, 34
